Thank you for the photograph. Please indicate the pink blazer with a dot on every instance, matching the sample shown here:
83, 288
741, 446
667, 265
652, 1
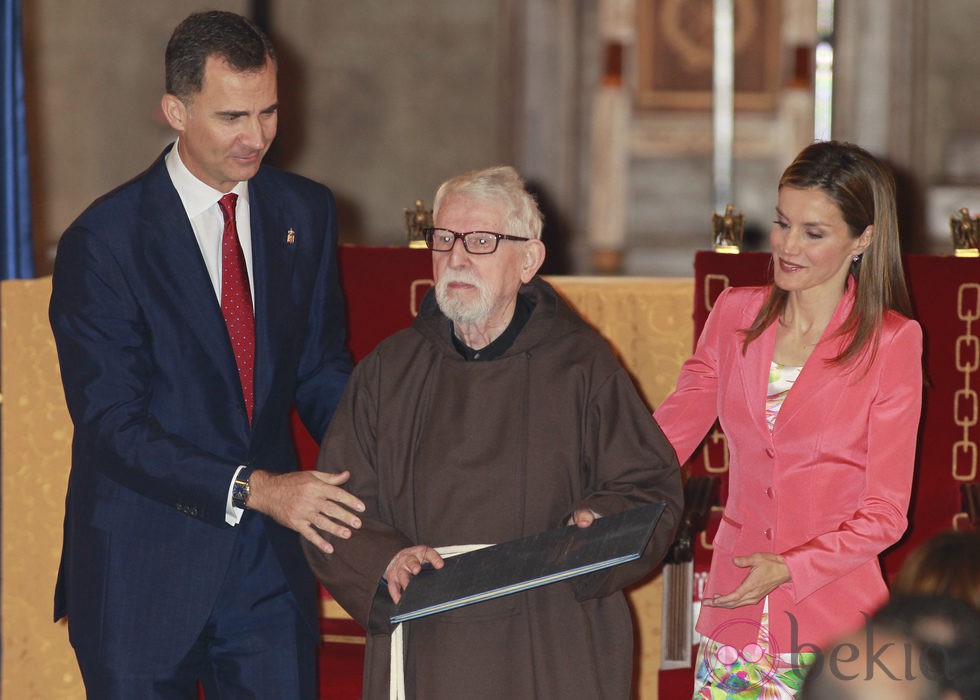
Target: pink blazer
828, 488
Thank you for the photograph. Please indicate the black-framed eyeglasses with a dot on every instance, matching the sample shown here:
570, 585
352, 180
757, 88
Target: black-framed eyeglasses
442, 240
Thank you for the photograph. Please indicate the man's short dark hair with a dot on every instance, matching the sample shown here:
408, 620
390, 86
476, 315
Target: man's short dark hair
233, 38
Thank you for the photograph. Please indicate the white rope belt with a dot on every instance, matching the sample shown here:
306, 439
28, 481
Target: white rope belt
396, 684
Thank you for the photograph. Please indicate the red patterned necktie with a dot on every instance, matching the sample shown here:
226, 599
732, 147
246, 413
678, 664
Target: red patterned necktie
236, 302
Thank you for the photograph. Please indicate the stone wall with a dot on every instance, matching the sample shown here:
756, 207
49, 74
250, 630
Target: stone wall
383, 100
380, 100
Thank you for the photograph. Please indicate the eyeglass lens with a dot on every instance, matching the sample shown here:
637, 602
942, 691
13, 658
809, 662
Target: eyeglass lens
476, 242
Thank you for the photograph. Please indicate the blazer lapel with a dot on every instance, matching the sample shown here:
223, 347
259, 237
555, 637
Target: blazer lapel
815, 379
755, 373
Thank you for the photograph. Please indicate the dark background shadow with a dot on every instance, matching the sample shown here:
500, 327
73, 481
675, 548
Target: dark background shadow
556, 233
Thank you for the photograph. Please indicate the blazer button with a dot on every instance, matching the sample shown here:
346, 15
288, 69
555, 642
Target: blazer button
770, 492
770, 453
768, 533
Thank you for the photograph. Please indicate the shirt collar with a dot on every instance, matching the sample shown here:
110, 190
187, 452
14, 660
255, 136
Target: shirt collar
195, 195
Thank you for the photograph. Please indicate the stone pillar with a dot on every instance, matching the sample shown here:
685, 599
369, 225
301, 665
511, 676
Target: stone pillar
612, 102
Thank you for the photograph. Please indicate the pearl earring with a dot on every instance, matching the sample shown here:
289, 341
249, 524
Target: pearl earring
855, 258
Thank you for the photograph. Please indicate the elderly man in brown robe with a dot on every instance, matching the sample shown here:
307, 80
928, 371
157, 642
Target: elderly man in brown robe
498, 414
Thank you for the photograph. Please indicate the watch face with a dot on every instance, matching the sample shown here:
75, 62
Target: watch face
240, 493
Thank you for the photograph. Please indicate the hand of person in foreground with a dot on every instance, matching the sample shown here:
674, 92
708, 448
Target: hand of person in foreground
305, 500
407, 564
583, 517
767, 571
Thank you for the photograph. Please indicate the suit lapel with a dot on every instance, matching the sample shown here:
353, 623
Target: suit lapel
273, 256
176, 267
175, 264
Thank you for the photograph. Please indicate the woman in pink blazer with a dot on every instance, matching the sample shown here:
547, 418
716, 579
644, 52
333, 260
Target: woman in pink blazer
816, 381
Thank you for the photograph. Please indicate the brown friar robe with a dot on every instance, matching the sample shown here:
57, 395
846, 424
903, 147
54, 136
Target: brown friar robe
445, 451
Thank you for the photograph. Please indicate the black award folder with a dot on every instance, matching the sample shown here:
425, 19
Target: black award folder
525, 563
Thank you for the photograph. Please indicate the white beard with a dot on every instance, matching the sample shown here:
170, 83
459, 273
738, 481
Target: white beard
460, 312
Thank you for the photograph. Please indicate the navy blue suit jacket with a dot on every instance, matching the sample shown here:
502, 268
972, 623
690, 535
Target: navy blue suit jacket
160, 422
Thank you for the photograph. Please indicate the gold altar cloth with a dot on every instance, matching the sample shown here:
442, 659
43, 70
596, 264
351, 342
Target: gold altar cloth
648, 322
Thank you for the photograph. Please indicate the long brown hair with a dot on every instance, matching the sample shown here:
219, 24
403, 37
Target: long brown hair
864, 191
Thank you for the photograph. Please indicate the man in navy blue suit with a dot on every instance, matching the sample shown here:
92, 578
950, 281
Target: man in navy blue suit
186, 332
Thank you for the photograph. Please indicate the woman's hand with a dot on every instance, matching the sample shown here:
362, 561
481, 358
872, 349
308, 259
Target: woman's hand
407, 564
766, 572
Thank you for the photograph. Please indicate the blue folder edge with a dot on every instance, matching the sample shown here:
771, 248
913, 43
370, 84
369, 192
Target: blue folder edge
507, 590
649, 513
